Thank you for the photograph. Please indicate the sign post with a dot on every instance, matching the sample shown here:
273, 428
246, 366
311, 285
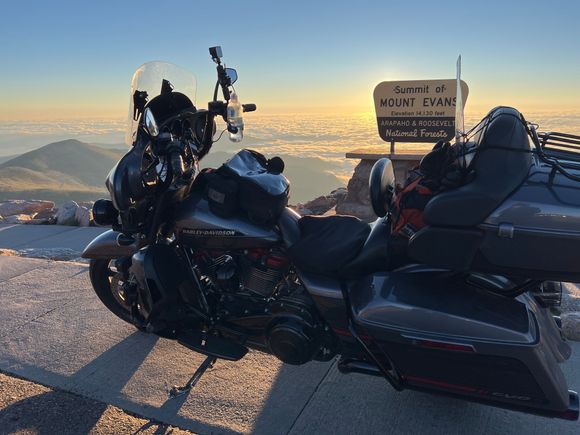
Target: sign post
417, 110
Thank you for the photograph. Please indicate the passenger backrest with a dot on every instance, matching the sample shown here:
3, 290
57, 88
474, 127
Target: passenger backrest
501, 164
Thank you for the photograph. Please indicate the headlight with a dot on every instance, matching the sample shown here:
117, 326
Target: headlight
104, 213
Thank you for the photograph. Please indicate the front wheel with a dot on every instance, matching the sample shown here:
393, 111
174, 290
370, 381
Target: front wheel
108, 283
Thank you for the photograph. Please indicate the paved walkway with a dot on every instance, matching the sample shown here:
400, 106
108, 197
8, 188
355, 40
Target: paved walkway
47, 236
54, 331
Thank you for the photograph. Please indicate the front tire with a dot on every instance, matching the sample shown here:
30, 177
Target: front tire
107, 283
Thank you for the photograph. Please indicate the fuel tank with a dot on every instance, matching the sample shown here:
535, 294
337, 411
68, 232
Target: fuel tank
197, 226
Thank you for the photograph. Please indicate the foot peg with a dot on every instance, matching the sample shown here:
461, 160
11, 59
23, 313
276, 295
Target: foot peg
212, 345
178, 391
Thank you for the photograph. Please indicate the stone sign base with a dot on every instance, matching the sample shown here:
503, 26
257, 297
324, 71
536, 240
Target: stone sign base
357, 201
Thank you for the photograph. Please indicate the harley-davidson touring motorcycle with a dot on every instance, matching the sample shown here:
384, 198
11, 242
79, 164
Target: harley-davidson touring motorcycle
215, 259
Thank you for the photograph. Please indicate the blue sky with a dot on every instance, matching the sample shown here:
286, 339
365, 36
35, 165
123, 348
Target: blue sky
75, 58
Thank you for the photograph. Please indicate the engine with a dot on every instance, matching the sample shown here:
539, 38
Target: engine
256, 271
256, 288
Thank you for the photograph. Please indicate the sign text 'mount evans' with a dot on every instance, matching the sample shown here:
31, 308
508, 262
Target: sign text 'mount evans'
417, 110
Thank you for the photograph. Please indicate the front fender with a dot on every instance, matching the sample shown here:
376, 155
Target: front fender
105, 246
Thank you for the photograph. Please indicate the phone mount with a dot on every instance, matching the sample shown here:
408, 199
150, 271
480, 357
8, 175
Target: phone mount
216, 54
223, 80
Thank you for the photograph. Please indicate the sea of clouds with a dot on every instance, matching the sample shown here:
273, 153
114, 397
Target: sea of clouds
323, 136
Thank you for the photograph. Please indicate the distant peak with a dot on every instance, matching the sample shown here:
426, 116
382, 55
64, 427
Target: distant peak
68, 142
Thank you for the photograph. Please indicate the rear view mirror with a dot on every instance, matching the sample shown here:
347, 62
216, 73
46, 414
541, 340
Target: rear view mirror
232, 74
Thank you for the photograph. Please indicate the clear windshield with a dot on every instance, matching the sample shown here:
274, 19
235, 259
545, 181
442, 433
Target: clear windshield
149, 78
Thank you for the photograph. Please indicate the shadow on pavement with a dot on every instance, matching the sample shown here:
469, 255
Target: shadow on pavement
60, 412
50, 413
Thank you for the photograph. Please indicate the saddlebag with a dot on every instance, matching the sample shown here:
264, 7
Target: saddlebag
443, 334
262, 191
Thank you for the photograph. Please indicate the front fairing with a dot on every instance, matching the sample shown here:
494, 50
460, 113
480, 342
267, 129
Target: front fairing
148, 80
130, 180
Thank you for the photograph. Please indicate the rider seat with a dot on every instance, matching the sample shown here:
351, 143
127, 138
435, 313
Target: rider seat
327, 243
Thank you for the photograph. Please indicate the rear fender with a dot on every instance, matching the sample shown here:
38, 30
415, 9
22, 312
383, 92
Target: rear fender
105, 246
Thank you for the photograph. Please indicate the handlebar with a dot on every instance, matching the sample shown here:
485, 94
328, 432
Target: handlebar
176, 162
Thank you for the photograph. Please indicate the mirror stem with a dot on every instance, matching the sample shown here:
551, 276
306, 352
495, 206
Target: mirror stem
215, 91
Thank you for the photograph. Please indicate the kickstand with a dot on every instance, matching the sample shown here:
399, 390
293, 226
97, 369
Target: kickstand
206, 364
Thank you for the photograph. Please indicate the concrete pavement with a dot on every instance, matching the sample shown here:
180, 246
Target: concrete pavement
20, 237
54, 331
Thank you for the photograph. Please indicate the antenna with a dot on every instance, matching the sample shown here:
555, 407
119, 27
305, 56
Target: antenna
459, 121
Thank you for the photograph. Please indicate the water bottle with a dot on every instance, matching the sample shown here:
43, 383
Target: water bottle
235, 119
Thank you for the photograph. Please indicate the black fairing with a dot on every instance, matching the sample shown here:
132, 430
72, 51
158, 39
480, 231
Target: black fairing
164, 282
167, 104
498, 171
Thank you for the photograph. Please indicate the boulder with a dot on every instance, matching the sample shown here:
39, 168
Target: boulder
48, 214
16, 219
571, 325
8, 252
357, 202
19, 207
66, 213
35, 221
320, 205
84, 216
358, 185
339, 193
87, 204
301, 209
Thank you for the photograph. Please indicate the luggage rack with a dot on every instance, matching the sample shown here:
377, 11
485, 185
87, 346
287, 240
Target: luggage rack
561, 146
561, 151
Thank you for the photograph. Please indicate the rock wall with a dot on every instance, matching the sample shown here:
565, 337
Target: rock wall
357, 202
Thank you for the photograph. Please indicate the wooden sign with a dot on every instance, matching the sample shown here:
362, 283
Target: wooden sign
417, 110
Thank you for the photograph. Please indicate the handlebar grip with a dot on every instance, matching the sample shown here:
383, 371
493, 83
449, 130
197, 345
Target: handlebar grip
249, 107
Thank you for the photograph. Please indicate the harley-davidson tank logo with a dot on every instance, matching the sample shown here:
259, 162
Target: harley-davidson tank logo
209, 232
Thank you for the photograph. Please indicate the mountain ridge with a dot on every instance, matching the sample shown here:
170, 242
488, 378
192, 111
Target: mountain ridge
71, 169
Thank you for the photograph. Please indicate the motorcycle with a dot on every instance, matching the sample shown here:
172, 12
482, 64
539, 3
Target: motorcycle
216, 260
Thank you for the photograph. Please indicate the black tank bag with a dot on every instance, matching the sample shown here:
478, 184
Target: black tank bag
252, 184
